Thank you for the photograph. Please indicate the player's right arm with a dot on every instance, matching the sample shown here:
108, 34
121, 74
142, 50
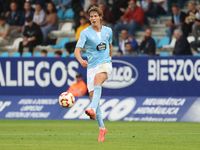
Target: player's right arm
79, 45
77, 54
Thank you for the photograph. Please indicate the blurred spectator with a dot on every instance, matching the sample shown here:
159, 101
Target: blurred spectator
129, 50
27, 13
71, 45
63, 4
13, 16
85, 14
1, 7
79, 88
39, 15
107, 14
77, 8
7, 9
133, 19
119, 53
125, 37
190, 19
4, 30
118, 8
51, 21
170, 2
148, 45
178, 18
33, 2
153, 8
44, 53
32, 36
196, 25
182, 47
58, 53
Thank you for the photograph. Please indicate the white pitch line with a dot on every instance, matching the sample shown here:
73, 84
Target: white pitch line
1, 134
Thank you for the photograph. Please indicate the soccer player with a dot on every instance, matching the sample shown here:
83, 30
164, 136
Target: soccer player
97, 40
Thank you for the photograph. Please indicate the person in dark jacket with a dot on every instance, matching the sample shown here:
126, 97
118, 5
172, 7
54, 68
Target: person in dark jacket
148, 45
182, 47
27, 13
178, 18
32, 36
13, 16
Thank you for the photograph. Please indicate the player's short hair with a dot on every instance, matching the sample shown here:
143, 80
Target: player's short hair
148, 28
179, 32
127, 43
3, 18
175, 5
58, 53
44, 51
38, 3
28, 19
193, 3
125, 30
96, 9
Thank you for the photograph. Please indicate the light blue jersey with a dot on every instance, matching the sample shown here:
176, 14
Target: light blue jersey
98, 50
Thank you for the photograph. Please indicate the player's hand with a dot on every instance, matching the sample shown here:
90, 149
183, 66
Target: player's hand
84, 63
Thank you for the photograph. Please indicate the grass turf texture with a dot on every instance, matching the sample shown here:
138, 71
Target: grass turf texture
57, 135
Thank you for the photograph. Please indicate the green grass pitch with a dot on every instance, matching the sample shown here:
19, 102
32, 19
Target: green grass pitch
83, 135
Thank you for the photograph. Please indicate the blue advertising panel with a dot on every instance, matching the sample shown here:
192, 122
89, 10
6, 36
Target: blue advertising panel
118, 108
131, 76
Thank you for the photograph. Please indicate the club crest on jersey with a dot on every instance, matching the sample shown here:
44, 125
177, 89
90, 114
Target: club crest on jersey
106, 35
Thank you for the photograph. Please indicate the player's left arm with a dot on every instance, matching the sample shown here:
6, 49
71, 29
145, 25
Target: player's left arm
110, 43
111, 50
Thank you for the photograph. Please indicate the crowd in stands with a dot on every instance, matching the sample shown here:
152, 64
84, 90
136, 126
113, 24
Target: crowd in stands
35, 19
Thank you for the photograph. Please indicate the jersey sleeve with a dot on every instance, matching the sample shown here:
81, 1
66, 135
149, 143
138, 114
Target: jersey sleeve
111, 36
81, 41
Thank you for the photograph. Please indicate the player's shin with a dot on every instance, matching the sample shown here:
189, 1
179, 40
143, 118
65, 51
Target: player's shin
96, 97
99, 118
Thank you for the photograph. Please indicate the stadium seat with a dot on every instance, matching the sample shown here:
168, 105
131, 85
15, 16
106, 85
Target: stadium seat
162, 42
64, 54
66, 29
15, 45
84, 55
69, 14
60, 14
28, 54
61, 44
16, 54
72, 55
38, 54
171, 45
4, 54
164, 54
155, 39
190, 39
51, 54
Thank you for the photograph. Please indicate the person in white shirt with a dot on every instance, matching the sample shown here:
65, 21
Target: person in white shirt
39, 15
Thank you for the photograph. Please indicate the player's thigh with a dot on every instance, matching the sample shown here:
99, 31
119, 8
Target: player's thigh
90, 79
91, 95
100, 78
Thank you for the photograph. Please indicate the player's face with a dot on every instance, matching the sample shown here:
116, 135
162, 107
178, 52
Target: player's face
95, 18
175, 10
13, 6
148, 33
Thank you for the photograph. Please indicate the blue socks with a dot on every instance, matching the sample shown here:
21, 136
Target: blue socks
96, 107
96, 97
98, 117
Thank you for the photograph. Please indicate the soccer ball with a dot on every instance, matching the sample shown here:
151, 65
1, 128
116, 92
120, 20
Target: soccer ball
66, 100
